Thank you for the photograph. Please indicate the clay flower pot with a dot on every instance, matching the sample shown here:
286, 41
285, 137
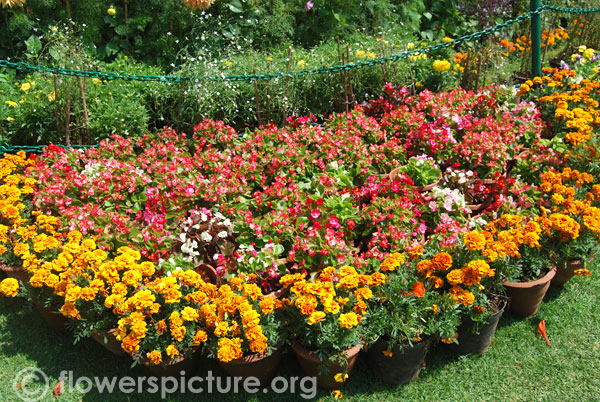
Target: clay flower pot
17, 273
470, 342
565, 270
526, 297
402, 366
53, 317
259, 365
187, 364
311, 364
209, 274
110, 342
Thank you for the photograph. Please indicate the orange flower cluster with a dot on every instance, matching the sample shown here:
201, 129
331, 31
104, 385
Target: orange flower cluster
339, 295
575, 106
523, 43
461, 281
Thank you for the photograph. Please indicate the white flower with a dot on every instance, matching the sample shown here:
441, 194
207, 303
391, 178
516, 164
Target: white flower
345, 195
182, 237
205, 236
203, 217
334, 165
222, 234
216, 256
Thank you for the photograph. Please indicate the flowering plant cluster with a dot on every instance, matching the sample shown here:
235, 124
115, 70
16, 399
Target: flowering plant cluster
406, 309
328, 314
475, 130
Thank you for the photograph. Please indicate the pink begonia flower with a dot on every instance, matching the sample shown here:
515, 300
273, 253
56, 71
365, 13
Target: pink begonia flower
309, 5
315, 213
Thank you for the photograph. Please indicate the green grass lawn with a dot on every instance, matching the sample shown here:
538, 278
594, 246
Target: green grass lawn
519, 366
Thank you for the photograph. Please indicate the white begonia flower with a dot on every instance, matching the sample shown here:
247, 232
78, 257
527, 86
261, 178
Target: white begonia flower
205, 236
203, 217
227, 222
334, 165
216, 256
345, 195
196, 226
222, 234
182, 237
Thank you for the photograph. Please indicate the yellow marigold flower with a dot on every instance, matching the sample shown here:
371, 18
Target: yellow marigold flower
189, 314
172, 351
340, 377
455, 277
229, 349
447, 39
200, 337
474, 240
155, 357
331, 306
267, 305
349, 320
583, 272
250, 319
9, 287
337, 394
222, 328
442, 261
450, 340
316, 317
387, 353
435, 309
11, 103
161, 327
26, 86
441, 65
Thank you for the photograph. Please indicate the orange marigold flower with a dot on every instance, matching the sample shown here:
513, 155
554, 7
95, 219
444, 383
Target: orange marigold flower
442, 261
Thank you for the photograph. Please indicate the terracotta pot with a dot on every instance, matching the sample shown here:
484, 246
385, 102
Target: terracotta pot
403, 366
279, 294
111, 344
565, 270
471, 342
311, 364
17, 273
526, 297
209, 274
53, 317
187, 364
259, 365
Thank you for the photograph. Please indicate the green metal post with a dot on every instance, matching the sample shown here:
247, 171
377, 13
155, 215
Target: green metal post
536, 40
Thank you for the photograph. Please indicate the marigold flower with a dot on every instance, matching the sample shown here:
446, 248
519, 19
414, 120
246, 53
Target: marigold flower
316, 317
349, 320
9, 287
340, 377
155, 357
442, 261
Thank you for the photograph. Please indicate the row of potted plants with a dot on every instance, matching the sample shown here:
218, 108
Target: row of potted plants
331, 235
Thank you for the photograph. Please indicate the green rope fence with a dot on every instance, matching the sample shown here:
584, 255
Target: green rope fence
23, 66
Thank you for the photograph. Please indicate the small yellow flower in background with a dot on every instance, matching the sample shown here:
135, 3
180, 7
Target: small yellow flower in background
435, 309
582, 48
51, 96
96, 80
10, 119
25, 87
573, 57
457, 67
418, 84
22, 100
360, 53
111, 11
447, 39
387, 353
589, 53
340, 377
53, 29
441, 65
229, 63
301, 63
410, 46
11, 103
371, 55
337, 394
269, 59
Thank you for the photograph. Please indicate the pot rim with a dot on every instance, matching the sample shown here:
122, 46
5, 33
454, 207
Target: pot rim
254, 357
524, 285
309, 354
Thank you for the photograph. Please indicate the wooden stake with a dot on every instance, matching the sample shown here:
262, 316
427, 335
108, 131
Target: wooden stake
57, 106
67, 122
86, 121
287, 83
